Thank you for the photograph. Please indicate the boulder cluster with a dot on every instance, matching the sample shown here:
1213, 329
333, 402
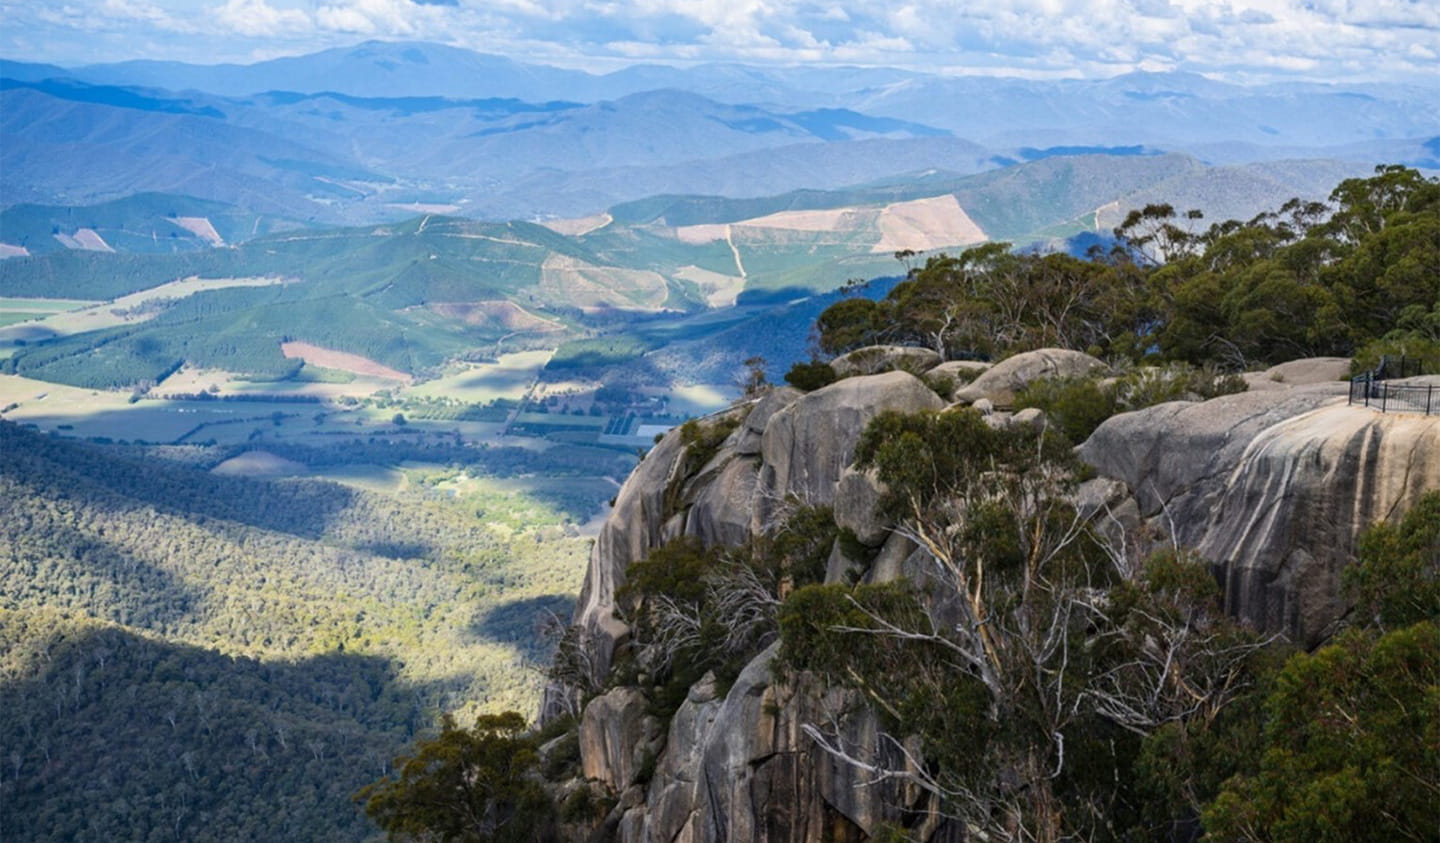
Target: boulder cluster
1271, 486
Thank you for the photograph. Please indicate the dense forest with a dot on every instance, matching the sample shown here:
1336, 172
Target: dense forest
190, 656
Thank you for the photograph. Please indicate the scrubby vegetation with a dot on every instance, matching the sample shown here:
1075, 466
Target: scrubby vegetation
1348, 278
1077, 405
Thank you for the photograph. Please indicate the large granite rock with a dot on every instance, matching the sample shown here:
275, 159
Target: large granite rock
803, 443
747, 437
1000, 382
1272, 488
614, 735
857, 506
1311, 370
874, 359
637, 525
809, 443
745, 770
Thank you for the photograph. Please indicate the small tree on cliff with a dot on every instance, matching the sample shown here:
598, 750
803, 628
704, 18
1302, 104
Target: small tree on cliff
466, 784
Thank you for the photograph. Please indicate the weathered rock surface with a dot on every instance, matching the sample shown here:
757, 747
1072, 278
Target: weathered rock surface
1310, 370
1272, 488
747, 437
613, 728
857, 506
809, 443
1000, 382
874, 359
952, 375
748, 772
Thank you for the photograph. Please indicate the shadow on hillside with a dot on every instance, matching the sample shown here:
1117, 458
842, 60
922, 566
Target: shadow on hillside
524, 623
112, 735
115, 482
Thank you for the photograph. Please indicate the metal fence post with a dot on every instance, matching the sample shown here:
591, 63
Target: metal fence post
1384, 397
1429, 393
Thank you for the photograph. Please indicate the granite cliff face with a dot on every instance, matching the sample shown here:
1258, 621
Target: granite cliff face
1271, 487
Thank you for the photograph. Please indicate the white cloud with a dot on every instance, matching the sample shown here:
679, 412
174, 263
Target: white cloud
388, 18
257, 18
1321, 39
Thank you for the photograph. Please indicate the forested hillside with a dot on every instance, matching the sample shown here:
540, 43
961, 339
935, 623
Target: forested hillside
191, 656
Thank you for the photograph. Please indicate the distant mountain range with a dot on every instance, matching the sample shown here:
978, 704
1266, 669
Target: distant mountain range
381, 130
415, 294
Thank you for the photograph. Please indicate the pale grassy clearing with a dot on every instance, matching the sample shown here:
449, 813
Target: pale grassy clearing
579, 226
127, 310
200, 227
498, 313
259, 464
329, 358
720, 290
925, 224
189, 380
15, 311
510, 377
424, 207
45, 305
84, 413
700, 399
90, 240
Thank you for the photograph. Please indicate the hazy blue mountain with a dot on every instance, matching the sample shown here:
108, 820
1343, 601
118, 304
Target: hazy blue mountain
1176, 110
299, 155
829, 166
421, 127
76, 150
372, 69
402, 69
31, 71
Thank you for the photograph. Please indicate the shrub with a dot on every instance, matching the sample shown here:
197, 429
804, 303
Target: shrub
811, 376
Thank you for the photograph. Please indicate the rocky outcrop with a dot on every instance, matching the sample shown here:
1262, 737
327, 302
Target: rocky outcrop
809, 444
786, 445
1310, 370
874, 359
616, 733
1272, 488
999, 383
744, 770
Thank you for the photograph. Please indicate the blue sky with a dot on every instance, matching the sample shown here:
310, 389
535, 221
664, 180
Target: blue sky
1237, 40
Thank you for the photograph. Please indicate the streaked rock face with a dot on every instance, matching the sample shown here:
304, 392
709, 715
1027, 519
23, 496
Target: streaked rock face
1272, 488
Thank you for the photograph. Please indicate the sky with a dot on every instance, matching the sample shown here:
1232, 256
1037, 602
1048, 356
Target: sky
1236, 40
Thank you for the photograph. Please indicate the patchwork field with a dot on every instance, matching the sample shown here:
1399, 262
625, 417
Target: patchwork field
329, 384
136, 307
479, 383
13, 311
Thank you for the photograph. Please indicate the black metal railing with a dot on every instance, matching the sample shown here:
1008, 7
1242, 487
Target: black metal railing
1395, 397
1373, 389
